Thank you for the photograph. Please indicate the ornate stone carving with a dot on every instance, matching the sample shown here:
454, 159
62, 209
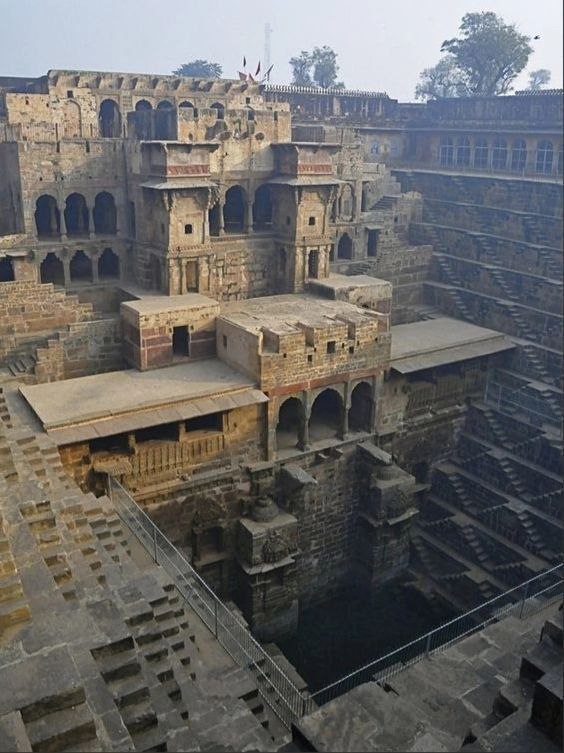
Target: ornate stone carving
275, 548
209, 513
264, 509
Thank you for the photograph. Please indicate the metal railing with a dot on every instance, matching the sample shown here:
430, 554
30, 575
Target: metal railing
508, 399
522, 601
281, 695
529, 173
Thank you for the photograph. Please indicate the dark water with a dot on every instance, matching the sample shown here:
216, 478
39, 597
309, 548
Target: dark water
352, 629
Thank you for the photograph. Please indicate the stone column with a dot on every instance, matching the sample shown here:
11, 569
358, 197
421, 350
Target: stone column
303, 443
249, 217
66, 270
344, 429
63, 224
376, 388
91, 233
221, 218
94, 261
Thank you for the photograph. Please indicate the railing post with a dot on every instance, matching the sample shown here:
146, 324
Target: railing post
215, 616
525, 592
304, 704
155, 555
428, 646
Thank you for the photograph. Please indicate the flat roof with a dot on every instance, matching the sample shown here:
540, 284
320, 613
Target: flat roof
282, 313
350, 282
156, 303
434, 342
114, 395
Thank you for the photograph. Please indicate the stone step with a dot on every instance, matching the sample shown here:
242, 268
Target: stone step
61, 728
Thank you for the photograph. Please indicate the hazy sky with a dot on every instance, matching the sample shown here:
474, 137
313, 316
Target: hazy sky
382, 44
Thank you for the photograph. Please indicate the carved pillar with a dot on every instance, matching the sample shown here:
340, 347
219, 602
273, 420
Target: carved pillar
249, 217
344, 428
63, 224
94, 261
303, 443
91, 233
376, 387
66, 270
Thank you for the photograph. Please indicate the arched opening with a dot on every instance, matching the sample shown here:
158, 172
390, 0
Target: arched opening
47, 217
518, 155
262, 208
481, 153
499, 154
105, 214
6, 270
346, 203
463, 151
164, 104
219, 109
52, 270
214, 216
545, 155
313, 264
345, 247
155, 271
108, 264
164, 125
72, 127
290, 427
325, 418
360, 412
76, 215
109, 120
81, 268
250, 113
234, 210
187, 104
143, 106
446, 151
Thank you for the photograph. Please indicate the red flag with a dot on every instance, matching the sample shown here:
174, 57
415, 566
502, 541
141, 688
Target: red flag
258, 69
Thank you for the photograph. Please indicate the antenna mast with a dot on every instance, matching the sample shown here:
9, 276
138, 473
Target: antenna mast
267, 33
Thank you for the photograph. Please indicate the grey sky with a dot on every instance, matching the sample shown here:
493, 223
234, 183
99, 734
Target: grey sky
382, 44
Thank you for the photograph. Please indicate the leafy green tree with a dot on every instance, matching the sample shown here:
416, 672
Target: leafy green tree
489, 53
443, 80
317, 68
199, 69
538, 79
301, 69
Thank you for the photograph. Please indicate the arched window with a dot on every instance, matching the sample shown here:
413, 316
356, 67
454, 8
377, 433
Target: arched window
345, 247
545, 155
187, 104
164, 104
105, 214
108, 264
76, 215
109, 120
262, 208
143, 106
81, 268
164, 121
446, 151
481, 153
499, 154
360, 412
326, 414
518, 155
219, 109
463, 151
72, 125
52, 270
290, 427
313, 264
6, 270
234, 210
47, 217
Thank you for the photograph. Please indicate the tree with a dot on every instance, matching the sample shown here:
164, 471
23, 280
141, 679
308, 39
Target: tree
489, 53
538, 79
199, 69
443, 80
317, 68
301, 69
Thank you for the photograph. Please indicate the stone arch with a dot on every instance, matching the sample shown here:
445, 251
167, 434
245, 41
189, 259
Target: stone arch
47, 217
234, 210
545, 156
81, 267
164, 121
499, 154
463, 151
262, 207
164, 104
109, 119
518, 155
143, 105
187, 104
345, 247
219, 109
326, 415
290, 426
360, 412
72, 119
52, 270
446, 151
105, 214
76, 215
481, 153
108, 264
6, 270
